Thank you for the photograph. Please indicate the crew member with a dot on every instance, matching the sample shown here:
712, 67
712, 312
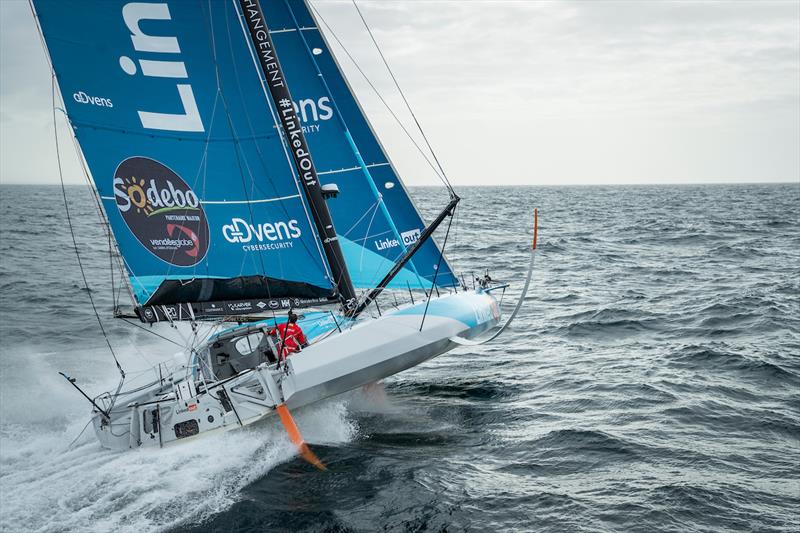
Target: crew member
290, 336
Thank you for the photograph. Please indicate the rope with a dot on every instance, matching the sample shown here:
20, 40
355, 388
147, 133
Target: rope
402, 94
72, 231
152, 332
71, 444
378, 94
435, 274
279, 132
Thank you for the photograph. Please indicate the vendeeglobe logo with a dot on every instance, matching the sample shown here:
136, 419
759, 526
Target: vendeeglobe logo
162, 211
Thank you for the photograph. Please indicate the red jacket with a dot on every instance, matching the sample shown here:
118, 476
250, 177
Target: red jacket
291, 336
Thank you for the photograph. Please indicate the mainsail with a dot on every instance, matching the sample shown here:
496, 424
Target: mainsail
171, 115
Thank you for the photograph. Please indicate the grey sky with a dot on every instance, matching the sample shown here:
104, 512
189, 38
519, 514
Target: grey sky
527, 92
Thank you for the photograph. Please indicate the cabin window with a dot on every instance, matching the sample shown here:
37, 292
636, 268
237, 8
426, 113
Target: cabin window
231, 355
248, 344
150, 421
187, 429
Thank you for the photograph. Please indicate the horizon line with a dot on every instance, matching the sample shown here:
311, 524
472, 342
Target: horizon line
583, 184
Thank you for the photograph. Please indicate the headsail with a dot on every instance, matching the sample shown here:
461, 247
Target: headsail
171, 117
371, 240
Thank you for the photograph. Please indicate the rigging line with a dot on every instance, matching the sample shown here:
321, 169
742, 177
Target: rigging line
366, 234
72, 231
71, 444
351, 141
203, 168
237, 146
402, 94
447, 185
100, 213
357, 222
278, 132
379, 95
438, 266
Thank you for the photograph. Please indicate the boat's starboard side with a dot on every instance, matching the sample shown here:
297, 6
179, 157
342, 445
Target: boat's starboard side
394, 342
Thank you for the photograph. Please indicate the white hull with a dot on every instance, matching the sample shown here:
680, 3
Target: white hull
362, 353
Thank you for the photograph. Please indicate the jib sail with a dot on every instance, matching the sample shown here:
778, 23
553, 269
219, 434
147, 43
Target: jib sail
346, 152
171, 117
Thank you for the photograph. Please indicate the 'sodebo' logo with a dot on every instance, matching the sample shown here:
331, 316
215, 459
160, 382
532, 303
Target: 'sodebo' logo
162, 211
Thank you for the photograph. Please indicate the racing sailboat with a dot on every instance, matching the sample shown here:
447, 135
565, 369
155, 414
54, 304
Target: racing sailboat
241, 179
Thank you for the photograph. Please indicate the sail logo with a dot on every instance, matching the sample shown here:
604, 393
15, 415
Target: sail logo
310, 110
152, 198
162, 211
83, 98
408, 237
264, 236
166, 66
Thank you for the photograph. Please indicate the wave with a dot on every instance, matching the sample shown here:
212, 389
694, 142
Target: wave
462, 389
720, 357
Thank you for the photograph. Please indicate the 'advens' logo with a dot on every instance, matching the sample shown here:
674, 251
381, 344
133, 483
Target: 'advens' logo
83, 98
264, 236
162, 211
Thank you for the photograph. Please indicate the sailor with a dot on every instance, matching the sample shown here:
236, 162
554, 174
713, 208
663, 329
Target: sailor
290, 336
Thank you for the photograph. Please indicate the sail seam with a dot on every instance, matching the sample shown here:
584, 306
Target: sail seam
260, 201
286, 30
351, 169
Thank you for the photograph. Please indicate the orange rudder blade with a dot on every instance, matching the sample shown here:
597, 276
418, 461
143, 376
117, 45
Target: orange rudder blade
294, 435
535, 226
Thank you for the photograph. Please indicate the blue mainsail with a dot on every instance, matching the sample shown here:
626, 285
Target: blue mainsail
371, 241
171, 117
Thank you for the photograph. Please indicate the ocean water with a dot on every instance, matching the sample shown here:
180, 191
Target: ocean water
650, 383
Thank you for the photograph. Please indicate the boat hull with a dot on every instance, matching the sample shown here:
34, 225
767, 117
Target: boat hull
362, 353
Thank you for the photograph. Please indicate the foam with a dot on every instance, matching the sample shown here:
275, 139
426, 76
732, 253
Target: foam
46, 487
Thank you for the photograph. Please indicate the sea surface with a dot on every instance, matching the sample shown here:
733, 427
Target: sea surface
651, 383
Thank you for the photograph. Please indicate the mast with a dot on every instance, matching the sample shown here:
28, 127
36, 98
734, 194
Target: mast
279, 91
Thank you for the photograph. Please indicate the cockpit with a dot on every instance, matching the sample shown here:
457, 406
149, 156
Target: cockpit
231, 353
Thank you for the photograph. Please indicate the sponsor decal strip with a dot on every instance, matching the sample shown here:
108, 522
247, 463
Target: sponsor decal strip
186, 311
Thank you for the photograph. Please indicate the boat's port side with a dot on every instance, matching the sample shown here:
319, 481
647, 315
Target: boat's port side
232, 380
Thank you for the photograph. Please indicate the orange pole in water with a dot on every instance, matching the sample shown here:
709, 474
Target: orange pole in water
535, 226
294, 435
